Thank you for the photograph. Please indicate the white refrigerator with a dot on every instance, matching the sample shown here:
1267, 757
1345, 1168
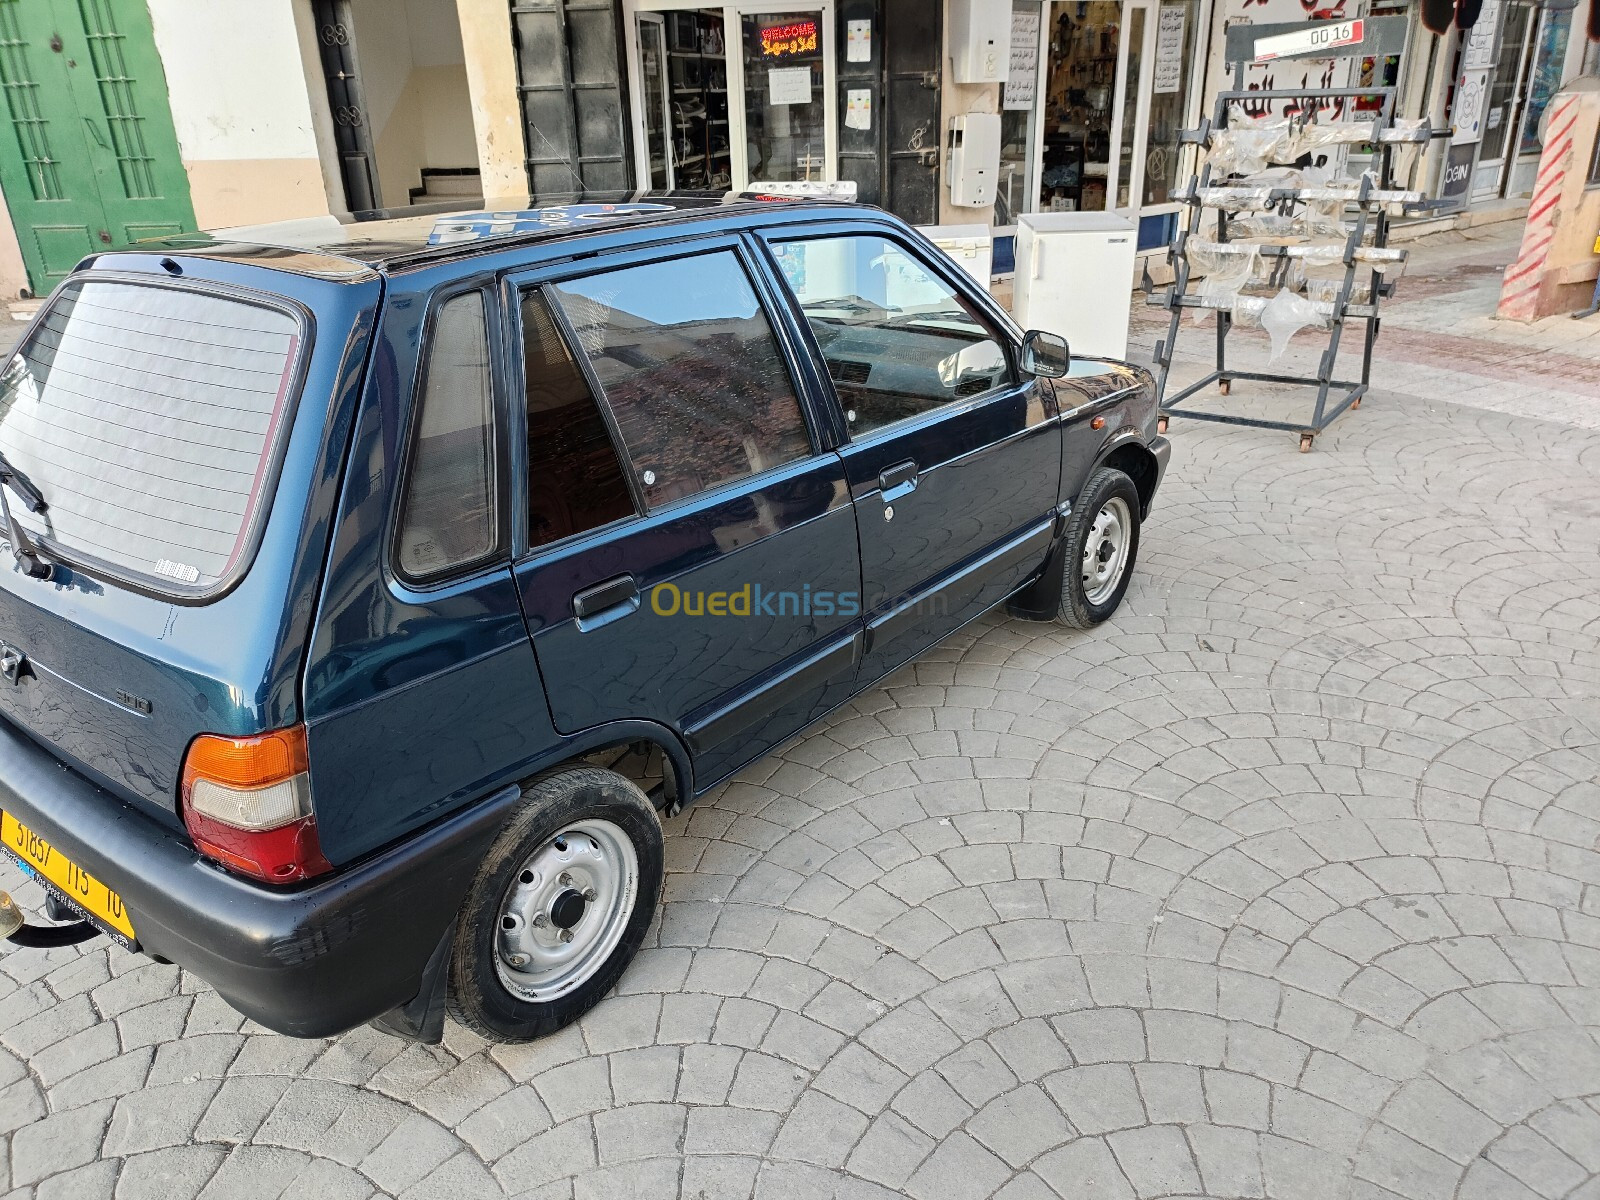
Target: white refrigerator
1074, 276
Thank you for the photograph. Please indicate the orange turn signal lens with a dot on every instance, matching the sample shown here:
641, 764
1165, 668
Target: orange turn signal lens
252, 762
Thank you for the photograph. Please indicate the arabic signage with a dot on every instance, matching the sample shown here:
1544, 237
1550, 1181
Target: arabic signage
1022, 81
1334, 71
789, 39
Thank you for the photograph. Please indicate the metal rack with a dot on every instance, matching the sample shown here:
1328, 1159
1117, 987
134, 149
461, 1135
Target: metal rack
1364, 247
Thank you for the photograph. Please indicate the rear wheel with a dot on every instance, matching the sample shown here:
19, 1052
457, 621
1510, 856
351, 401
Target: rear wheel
1102, 544
559, 907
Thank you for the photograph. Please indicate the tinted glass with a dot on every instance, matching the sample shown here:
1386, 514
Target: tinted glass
148, 417
898, 340
690, 368
449, 516
575, 481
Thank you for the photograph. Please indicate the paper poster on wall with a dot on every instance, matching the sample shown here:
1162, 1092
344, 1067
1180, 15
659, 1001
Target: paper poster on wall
1472, 91
858, 108
1169, 48
788, 85
1024, 75
1477, 53
858, 41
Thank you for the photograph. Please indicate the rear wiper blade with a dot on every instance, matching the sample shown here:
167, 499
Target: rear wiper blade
18, 483
22, 548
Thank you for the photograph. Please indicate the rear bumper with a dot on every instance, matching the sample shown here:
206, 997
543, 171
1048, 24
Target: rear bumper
311, 962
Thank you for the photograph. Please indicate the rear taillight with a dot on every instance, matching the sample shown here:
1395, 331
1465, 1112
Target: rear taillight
247, 805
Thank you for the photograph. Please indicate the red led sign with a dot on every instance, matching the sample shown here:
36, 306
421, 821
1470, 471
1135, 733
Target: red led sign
781, 41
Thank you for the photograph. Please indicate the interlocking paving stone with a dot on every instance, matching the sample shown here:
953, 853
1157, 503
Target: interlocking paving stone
1283, 883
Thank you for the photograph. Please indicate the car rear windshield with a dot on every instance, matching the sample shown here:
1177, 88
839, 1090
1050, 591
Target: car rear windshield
148, 416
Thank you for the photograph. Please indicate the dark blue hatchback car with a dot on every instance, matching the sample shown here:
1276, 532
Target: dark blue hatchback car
372, 589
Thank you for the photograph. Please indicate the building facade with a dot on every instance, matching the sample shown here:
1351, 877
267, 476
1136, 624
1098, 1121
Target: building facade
132, 118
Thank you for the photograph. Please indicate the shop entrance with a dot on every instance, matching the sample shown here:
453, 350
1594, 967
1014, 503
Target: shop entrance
729, 94
1116, 83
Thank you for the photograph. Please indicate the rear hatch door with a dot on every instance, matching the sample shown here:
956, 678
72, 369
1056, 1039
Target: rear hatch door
185, 435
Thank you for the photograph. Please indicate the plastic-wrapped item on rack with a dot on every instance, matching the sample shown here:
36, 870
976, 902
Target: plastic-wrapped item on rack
1326, 291
1251, 199
1227, 266
1308, 139
1247, 310
1382, 259
1265, 225
1319, 254
1248, 144
1279, 271
1407, 129
1286, 314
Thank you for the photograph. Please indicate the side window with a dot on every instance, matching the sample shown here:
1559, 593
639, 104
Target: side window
691, 371
575, 480
449, 518
898, 340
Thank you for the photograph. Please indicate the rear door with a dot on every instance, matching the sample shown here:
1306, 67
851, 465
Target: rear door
690, 547
954, 458
180, 430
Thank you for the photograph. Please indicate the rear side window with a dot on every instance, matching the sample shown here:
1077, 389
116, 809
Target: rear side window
149, 416
450, 518
691, 370
575, 480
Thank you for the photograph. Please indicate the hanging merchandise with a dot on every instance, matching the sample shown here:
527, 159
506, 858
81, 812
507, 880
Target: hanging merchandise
1286, 314
1295, 220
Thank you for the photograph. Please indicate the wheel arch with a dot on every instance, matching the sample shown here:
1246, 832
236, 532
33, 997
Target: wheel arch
1128, 454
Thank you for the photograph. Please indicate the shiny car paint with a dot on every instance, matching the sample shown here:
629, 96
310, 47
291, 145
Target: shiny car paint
427, 705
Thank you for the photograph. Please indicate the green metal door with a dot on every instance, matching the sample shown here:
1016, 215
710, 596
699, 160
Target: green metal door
88, 156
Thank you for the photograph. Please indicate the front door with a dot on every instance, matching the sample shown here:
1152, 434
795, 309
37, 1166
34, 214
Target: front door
717, 590
727, 95
91, 161
954, 459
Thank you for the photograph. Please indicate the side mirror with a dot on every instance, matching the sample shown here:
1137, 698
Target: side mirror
1045, 354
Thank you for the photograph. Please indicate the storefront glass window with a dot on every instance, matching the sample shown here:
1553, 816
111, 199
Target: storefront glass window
1017, 133
1177, 23
1082, 76
1555, 27
1503, 92
783, 96
1130, 104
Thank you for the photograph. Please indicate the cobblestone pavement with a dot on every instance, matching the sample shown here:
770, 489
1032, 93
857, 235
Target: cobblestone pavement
1284, 883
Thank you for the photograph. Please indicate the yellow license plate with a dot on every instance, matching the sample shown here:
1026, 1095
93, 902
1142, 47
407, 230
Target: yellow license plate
80, 888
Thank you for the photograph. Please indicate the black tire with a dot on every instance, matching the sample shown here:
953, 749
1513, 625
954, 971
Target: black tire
479, 996
1105, 486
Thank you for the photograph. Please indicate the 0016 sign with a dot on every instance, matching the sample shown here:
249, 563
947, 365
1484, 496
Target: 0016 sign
1311, 39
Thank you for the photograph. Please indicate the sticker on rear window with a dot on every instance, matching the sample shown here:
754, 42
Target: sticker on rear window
182, 572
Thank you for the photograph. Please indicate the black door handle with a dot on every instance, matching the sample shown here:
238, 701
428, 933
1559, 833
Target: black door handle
892, 477
591, 602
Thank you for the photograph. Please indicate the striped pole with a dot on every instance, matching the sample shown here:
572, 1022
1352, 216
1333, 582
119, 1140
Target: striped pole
1519, 293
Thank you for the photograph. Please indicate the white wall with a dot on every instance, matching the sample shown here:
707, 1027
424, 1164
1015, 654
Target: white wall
240, 106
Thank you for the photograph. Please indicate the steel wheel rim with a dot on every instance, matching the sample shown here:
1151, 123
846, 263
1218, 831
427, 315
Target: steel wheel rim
1105, 551
589, 869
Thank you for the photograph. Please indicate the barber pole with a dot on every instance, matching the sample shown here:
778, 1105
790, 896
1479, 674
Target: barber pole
1519, 293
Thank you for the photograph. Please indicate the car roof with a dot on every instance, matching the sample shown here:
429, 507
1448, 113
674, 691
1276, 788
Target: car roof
355, 244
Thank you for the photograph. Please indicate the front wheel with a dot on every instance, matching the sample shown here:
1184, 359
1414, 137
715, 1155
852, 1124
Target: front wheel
559, 907
1101, 545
